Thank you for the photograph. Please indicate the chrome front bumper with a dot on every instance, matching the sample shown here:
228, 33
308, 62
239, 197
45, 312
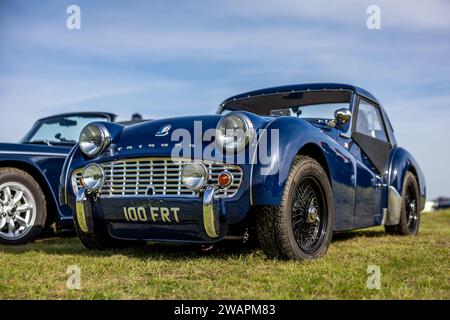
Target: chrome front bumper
211, 222
83, 212
210, 213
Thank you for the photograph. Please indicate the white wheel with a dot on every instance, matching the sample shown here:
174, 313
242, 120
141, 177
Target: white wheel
17, 210
22, 207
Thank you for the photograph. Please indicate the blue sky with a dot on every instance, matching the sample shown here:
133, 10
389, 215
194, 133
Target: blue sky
166, 58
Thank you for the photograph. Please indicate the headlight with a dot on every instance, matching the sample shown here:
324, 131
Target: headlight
234, 131
194, 176
92, 177
94, 138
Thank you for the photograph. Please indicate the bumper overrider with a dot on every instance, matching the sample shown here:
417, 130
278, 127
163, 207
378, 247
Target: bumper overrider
166, 214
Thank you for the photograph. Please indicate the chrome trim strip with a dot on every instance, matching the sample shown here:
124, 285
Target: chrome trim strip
223, 104
80, 213
66, 180
210, 213
36, 153
389, 175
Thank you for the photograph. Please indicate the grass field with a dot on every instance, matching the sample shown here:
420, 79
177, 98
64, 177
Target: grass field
411, 268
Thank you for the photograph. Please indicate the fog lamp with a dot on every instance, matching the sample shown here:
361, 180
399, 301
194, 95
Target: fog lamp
194, 176
92, 177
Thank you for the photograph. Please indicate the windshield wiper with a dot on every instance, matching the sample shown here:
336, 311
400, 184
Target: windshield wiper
46, 142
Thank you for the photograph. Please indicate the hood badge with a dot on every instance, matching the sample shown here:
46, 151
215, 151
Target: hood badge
163, 131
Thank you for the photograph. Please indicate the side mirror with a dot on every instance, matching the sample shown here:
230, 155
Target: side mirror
342, 116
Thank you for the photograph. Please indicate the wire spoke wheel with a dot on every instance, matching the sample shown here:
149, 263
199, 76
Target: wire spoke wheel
17, 210
309, 214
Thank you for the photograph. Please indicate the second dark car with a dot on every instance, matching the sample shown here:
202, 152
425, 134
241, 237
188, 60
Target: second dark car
30, 172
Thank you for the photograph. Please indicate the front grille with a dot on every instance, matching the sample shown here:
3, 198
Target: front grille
156, 176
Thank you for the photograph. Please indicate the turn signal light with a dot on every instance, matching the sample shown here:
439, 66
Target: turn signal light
224, 179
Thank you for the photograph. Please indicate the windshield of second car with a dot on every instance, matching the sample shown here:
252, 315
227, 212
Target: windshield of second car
60, 130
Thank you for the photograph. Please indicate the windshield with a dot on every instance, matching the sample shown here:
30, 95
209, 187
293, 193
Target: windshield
323, 111
312, 105
64, 130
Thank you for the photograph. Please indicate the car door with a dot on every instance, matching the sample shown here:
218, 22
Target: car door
371, 150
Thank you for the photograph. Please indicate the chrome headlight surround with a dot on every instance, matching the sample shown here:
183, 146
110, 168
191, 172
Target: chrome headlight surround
92, 177
234, 121
94, 139
194, 176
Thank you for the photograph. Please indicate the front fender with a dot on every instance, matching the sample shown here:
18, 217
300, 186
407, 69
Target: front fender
296, 136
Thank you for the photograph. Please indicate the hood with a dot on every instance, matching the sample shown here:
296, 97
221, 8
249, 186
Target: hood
148, 132
153, 132
156, 138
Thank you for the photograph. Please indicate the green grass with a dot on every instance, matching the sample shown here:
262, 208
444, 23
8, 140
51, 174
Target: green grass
411, 267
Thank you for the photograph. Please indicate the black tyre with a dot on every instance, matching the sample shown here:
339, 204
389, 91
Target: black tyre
410, 214
22, 207
301, 226
101, 240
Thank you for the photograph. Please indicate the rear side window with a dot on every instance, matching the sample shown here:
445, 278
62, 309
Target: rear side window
370, 122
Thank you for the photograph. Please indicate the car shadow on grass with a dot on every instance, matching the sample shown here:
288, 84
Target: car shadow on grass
349, 235
153, 251
163, 251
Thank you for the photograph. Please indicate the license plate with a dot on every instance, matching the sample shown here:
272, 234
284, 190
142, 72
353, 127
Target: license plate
152, 214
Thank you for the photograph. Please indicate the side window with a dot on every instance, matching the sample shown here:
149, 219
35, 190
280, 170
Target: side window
369, 121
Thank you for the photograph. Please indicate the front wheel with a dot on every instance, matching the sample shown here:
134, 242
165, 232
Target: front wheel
22, 207
300, 227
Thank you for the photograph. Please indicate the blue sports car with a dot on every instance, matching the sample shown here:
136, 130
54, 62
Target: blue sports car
29, 176
289, 164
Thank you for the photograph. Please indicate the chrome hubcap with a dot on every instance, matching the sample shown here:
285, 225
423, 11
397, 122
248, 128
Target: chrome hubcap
412, 213
17, 210
313, 216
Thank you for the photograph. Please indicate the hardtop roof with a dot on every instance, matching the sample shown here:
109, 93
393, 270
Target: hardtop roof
302, 87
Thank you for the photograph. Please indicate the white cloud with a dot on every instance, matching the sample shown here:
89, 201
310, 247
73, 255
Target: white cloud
405, 14
27, 98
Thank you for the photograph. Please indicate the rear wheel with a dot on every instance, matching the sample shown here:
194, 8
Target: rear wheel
22, 207
301, 226
410, 213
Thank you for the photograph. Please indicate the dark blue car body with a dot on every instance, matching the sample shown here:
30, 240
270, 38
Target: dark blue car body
365, 192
